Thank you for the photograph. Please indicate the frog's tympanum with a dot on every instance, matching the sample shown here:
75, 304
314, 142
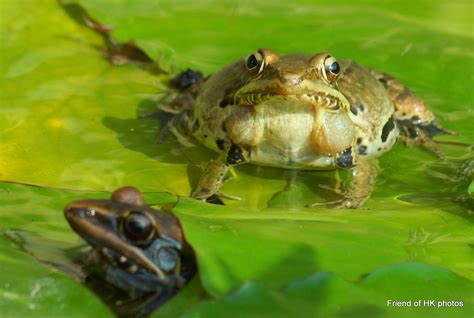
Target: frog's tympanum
139, 250
300, 112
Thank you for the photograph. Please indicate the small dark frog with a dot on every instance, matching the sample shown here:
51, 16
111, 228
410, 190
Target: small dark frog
137, 249
299, 112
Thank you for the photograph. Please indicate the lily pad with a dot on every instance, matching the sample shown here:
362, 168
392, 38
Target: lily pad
228, 253
326, 295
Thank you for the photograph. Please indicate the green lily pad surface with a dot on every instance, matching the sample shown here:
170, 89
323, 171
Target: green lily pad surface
73, 126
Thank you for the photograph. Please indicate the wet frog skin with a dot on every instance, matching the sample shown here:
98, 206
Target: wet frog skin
140, 251
300, 112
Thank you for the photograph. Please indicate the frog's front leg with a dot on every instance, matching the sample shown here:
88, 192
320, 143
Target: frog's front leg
214, 175
245, 129
361, 183
417, 122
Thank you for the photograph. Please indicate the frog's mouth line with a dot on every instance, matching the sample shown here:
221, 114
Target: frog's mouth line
318, 99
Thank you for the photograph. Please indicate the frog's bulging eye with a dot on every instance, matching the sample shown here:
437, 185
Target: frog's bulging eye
331, 69
334, 68
255, 63
252, 62
138, 227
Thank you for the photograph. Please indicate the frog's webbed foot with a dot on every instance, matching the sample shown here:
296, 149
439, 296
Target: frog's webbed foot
324, 204
185, 88
346, 203
187, 85
186, 79
420, 134
361, 185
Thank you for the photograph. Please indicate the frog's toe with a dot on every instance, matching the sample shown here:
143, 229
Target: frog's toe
337, 190
228, 196
323, 204
204, 193
349, 204
346, 203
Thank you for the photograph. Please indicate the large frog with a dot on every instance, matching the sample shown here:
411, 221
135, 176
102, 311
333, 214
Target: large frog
299, 112
140, 250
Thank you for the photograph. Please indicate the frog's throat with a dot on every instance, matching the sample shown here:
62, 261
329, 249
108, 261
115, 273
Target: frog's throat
98, 237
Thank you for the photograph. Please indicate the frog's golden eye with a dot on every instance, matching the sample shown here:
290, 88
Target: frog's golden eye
255, 63
138, 227
331, 69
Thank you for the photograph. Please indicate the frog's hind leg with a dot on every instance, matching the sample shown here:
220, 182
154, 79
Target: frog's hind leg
178, 105
417, 123
178, 126
187, 85
361, 185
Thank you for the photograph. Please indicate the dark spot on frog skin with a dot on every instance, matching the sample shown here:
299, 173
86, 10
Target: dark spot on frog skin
195, 126
220, 144
361, 107
235, 155
415, 118
345, 159
223, 127
224, 103
379, 148
353, 110
387, 128
403, 95
384, 81
362, 150
412, 133
185, 79
204, 190
359, 141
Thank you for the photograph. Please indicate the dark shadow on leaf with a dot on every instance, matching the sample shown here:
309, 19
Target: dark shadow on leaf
140, 135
